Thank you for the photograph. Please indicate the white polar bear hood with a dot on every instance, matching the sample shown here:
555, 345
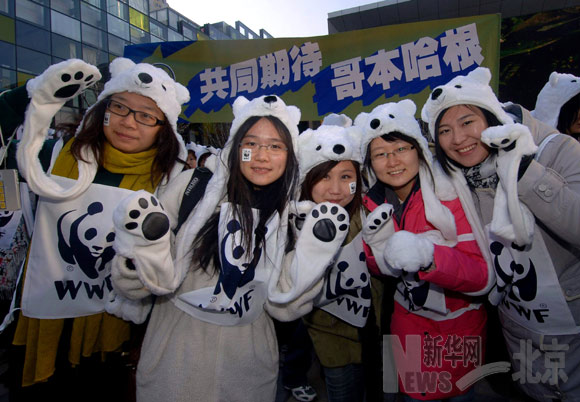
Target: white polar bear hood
559, 89
335, 140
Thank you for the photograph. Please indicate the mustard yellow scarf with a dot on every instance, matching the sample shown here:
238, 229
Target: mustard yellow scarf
136, 168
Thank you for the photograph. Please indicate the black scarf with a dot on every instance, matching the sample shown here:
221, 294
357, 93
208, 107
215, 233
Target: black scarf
482, 175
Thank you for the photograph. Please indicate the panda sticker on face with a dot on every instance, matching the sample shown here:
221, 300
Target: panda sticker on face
246, 154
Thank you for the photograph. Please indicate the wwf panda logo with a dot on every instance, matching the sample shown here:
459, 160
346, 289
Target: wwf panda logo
519, 281
84, 245
234, 272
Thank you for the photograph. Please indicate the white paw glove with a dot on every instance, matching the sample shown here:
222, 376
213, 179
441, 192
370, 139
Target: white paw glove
298, 212
127, 309
318, 243
142, 235
512, 219
377, 228
408, 252
48, 93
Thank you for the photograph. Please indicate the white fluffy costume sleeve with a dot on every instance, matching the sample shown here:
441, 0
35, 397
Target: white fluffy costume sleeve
48, 93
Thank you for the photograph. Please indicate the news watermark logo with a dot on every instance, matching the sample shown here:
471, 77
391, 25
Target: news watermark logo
440, 352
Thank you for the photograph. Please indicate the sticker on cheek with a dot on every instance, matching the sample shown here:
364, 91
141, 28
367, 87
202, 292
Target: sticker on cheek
352, 186
246, 154
106, 119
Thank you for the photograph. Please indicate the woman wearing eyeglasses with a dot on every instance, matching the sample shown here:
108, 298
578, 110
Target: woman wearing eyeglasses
418, 235
127, 141
211, 336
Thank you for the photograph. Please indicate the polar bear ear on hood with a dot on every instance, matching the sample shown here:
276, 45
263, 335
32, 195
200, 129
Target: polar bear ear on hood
239, 104
294, 114
334, 119
482, 75
119, 65
182, 93
408, 106
554, 77
361, 119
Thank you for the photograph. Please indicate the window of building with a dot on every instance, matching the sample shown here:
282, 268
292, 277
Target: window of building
139, 36
8, 52
67, 7
118, 27
65, 26
32, 12
30, 61
94, 56
138, 19
187, 31
65, 48
95, 37
97, 3
118, 9
161, 16
32, 37
8, 79
7, 7
158, 30
173, 19
141, 5
174, 36
94, 16
117, 45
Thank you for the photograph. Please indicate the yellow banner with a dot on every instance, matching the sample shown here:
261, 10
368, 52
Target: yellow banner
348, 72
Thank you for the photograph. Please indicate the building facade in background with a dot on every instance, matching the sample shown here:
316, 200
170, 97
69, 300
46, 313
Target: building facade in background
37, 33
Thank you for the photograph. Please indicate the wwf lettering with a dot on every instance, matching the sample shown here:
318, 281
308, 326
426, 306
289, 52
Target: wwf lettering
92, 291
537, 314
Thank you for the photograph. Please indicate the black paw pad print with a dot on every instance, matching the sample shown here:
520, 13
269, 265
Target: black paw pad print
154, 224
325, 228
71, 89
378, 221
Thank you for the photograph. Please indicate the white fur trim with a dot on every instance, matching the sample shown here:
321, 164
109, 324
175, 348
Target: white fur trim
559, 89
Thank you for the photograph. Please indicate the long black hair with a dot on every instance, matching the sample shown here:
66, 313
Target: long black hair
447, 163
568, 115
245, 196
91, 134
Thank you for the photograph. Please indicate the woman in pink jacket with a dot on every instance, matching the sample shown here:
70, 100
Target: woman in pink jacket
418, 234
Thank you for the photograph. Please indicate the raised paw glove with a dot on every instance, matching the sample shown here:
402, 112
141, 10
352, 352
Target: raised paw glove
319, 241
142, 236
377, 228
48, 93
512, 219
408, 252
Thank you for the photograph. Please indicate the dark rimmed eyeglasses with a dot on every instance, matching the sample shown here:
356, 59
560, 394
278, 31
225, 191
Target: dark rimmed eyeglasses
144, 118
397, 152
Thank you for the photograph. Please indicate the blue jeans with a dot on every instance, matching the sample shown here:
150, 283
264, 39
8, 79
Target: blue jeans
467, 397
345, 384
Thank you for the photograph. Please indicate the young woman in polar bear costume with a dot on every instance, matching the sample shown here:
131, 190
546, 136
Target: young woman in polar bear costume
427, 244
127, 141
522, 180
211, 336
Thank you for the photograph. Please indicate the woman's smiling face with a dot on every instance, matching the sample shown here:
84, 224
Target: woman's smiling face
459, 135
